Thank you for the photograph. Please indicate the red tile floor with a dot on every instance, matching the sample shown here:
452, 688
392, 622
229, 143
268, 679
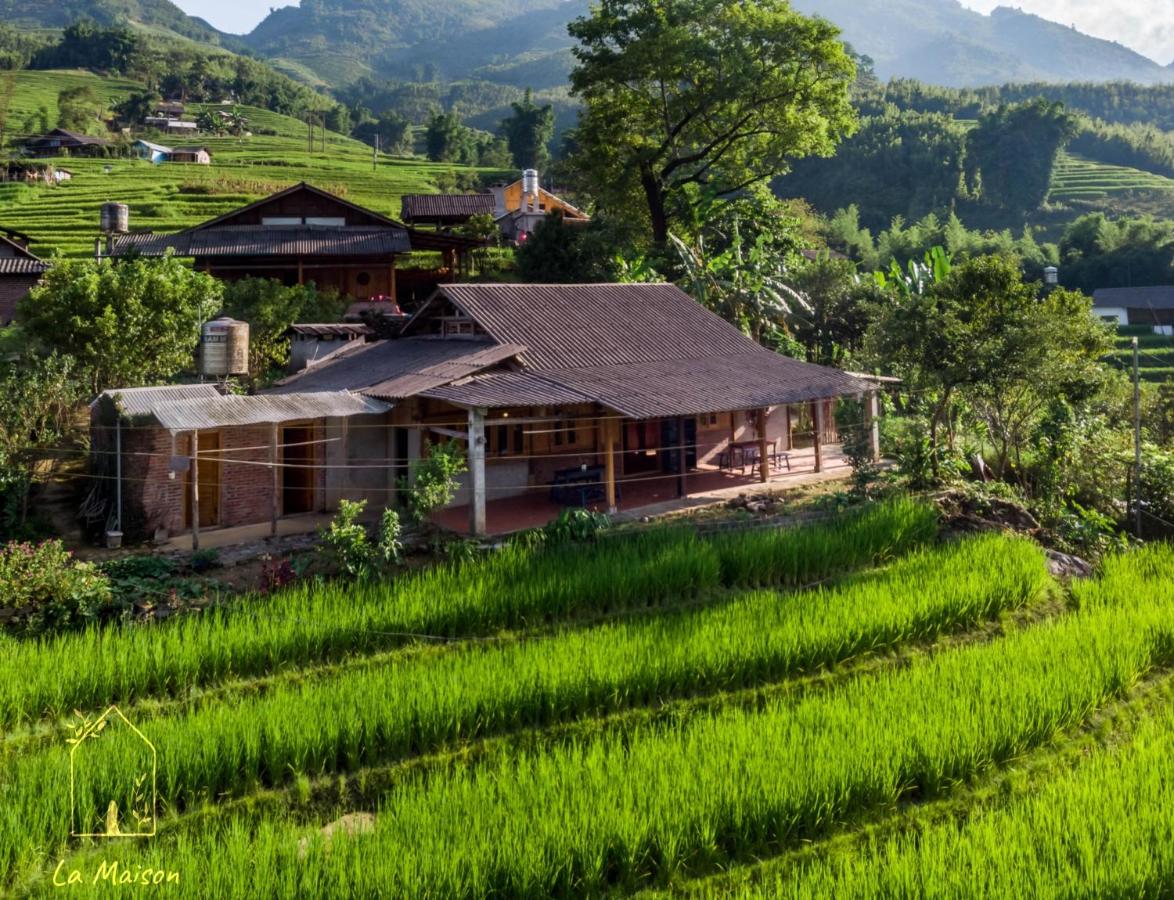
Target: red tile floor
651, 495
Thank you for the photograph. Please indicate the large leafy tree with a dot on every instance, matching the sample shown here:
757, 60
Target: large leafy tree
979, 336
529, 132
127, 323
690, 98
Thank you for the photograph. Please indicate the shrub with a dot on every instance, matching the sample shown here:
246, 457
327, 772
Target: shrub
1157, 491
346, 543
576, 525
435, 482
48, 589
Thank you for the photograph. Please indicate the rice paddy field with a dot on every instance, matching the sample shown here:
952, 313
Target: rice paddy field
63, 219
1155, 353
856, 708
1078, 178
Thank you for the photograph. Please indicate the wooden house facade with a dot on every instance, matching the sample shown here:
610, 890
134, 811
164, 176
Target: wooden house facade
556, 394
304, 234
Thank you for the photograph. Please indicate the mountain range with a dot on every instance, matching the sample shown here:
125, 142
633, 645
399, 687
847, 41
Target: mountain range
524, 42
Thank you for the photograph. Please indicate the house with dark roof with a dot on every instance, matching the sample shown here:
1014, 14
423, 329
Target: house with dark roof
444, 210
20, 270
602, 395
1153, 306
304, 234
59, 141
517, 207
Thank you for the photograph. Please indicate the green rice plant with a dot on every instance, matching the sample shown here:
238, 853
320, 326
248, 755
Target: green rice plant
366, 717
619, 812
1100, 830
517, 588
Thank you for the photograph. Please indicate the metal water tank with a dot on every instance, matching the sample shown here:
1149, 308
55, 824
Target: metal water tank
224, 348
530, 182
115, 218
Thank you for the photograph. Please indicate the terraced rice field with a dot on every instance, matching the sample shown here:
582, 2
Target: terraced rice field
64, 219
1155, 357
834, 710
1078, 178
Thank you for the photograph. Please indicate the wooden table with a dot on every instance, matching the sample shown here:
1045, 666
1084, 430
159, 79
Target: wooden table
738, 449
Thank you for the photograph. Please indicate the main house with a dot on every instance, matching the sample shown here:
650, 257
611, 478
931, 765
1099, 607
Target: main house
609, 395
304, 234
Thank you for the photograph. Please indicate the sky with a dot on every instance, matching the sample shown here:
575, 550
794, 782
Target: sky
1145, 25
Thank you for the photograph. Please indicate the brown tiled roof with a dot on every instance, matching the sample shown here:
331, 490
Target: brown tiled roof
401, 368
565, 326
445, 206
501, 389
269, 240
643, 350
751, 380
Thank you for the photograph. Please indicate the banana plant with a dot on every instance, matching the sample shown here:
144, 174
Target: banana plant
744, 283
918, 275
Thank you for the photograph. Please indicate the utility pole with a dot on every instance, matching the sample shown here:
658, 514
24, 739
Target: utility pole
375, 154
1136, 437
309, 135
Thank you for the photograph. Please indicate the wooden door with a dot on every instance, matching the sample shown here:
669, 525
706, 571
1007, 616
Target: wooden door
211, 469
297, 474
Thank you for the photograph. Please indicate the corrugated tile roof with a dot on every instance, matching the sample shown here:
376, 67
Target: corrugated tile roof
445, 206
1156, 297
645, 351
269, 240
335, 329
501, 389
398, 368
22, 265
136, 402
564, 326
230, 410
752, 380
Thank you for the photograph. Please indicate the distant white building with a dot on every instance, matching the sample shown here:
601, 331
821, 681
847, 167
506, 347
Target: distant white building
1152, 306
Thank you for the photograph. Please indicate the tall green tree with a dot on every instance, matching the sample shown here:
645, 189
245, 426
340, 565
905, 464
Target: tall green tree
448, 140
78, 109
687, 98
1015, 149
127, 323
270, 308
529, 132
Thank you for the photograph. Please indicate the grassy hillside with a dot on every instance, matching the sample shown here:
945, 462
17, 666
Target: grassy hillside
64, 219
1078, 178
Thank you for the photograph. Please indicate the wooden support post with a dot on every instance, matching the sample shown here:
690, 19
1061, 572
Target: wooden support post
610, 427
301, 273
763, 449
195, 490
817, 420
682, 459
276, 478
872, 418
477, 472
391, 282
